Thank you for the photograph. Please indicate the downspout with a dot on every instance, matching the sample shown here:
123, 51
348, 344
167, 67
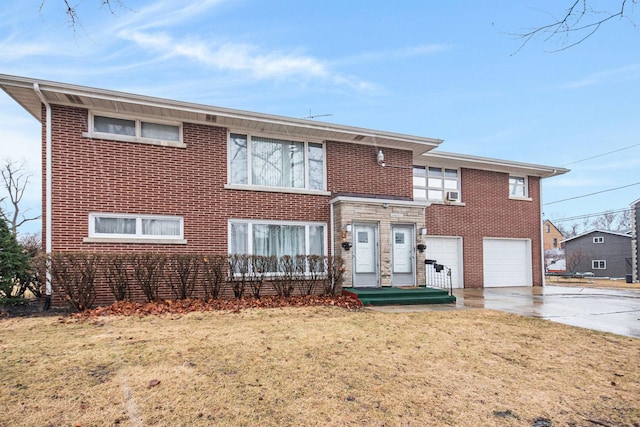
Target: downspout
544, 267
332, 241
48, 186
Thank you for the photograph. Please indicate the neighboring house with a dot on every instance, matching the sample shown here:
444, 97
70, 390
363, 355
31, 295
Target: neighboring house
635, 226
554, 260
604, 253
551, 236
126, 172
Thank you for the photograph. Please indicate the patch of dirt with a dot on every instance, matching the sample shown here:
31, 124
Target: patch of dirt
31, 308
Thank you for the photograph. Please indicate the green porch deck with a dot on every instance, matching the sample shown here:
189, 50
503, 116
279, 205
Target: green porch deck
400, 296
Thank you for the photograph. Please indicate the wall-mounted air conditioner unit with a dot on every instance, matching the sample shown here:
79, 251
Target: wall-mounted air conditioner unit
453, 196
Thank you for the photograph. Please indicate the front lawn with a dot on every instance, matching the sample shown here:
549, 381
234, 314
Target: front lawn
315, 366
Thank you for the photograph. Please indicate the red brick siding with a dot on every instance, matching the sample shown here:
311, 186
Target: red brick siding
488, 212
93, 175
352, 168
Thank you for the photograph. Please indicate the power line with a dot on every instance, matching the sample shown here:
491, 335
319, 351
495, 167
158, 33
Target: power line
601, 155
592, 194
573, 218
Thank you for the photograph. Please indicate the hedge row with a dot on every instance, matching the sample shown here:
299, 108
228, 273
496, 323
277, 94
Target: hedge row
77, 275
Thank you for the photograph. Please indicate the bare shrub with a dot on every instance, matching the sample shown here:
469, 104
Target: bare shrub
335, 276
239, 273
74, 275
285, 284
183, 273
260, 267
214, 274
117, 271
317, 272
147, 271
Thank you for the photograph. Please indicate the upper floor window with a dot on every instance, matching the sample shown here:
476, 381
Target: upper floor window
271, 162
437, 184
547, 228
598, 239
135, 226
555, 242
599, 264
517, 186
130, 129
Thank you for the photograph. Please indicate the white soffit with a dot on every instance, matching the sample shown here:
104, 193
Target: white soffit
21, 89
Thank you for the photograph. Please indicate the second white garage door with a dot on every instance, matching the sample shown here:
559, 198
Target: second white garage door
447, 251
506, 262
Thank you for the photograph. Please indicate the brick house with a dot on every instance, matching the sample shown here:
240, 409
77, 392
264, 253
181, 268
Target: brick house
125, 172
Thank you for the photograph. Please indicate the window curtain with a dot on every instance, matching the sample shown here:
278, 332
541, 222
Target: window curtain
160, 227
103, 225
238, 159
239, 238
158, 131
316, 166
277, 163
115, 126
278, 240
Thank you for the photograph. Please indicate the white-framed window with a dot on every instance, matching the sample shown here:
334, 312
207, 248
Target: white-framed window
126, 226
599, 264
518, 186
124, 128
277, 163
437, 184
598, 239
277, 238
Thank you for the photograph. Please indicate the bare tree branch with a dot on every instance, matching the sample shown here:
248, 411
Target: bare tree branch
14, 182
580, 19
72, 9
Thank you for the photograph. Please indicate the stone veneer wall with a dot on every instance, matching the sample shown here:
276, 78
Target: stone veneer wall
347, 212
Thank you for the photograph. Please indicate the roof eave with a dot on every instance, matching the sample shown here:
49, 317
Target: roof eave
485, 163
21, 89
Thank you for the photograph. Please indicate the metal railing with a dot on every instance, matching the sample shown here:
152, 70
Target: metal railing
437, 275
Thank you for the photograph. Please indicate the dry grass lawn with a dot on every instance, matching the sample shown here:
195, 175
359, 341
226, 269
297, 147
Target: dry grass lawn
316, 366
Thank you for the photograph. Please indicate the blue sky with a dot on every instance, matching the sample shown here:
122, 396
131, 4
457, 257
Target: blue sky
445, 70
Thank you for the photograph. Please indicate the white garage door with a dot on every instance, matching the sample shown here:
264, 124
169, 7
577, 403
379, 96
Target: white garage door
507, 262
447, 251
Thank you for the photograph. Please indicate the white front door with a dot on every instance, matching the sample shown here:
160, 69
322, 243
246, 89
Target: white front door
403, 257
365, 255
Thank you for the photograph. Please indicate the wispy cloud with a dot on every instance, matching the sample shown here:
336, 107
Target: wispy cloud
165, 13
628, 73
241, 57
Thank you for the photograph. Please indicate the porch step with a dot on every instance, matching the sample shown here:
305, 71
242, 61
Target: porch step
400, 296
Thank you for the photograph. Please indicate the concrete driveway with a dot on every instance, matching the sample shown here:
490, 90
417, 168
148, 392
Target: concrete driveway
608, 310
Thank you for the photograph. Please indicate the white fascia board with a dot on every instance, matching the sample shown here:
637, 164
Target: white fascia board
487, 163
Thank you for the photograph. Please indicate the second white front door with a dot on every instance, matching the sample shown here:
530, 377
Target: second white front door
403, 255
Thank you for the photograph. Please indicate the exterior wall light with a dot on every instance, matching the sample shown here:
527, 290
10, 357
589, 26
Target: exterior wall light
380, 158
